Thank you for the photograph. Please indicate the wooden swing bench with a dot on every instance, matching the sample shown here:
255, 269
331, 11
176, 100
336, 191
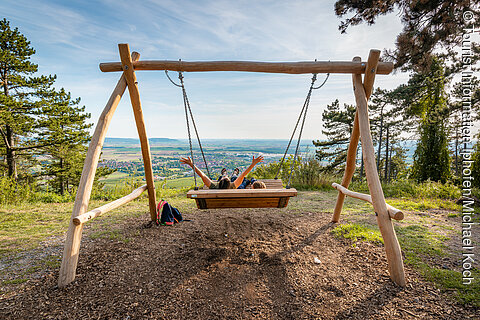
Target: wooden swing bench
274, 196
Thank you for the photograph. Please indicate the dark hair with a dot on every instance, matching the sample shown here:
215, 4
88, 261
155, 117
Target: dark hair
224, 183
236, 169
224, 170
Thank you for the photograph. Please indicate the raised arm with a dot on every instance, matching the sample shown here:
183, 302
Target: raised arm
239, 180
206, 180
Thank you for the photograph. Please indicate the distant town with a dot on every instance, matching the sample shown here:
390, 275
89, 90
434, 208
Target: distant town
124, 155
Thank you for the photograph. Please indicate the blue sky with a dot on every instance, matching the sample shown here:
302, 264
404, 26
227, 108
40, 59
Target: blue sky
72, 37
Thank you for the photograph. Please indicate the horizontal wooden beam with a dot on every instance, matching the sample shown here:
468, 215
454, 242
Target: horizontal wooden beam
252, 66
393, 212
109, 206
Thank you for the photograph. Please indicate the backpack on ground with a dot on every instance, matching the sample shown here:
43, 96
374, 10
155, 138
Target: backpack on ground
167, 215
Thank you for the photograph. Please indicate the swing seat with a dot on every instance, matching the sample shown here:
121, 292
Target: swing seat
272, 197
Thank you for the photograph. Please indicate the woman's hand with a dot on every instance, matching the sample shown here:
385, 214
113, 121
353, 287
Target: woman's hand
257, 160
187, 161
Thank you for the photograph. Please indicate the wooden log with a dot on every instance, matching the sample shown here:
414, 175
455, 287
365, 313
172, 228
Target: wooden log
240, 193
393, 212
392, 247
132, 85
350, 165
109, 206
222, 203
372, 64
371, 71
252, 66
74, 233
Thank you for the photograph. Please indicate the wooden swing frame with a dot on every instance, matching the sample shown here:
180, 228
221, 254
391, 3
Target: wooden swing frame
361, 130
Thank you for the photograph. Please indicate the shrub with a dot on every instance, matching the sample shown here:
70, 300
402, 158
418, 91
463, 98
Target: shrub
309, 175
13, 192
413, 189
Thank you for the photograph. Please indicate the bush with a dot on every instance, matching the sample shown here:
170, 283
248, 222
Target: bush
13, 192
307, 174
413, 189
310, 176
101, 192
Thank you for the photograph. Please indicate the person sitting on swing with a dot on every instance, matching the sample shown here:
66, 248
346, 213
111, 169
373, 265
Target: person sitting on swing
235, 174
222, 174
225, 182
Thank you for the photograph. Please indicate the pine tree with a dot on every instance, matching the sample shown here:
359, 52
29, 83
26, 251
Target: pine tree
427, 26
20, 98
388, 122
338, 125
62, 128
429, 104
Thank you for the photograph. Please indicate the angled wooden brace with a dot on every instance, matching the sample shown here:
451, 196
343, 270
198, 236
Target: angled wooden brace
74, 234
129, 73
370, 72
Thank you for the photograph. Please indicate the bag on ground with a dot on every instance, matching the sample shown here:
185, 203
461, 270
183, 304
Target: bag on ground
167, 215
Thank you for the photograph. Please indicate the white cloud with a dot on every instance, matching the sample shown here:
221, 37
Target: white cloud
72, 38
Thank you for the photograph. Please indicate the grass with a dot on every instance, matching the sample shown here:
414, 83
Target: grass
356, 232
423, 240
181, 183
24, 226
14, 281
115, 178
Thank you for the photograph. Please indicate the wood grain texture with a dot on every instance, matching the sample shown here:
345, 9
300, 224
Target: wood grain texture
132, 85
392, 247
240, 193
222, 203
393, 212
351, 164
109, 206
252, 66
74, 233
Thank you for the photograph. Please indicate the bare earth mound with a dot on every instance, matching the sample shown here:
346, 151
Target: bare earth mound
232, 264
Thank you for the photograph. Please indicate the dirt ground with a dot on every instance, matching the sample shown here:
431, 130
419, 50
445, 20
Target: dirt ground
231, 264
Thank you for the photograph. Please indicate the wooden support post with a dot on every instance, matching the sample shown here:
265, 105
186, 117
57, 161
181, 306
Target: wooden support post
370, 72
132, 85
74, 234
392, 247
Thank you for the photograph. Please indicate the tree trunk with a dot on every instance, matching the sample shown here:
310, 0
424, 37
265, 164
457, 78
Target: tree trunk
380, 140
11, 163
60, 178
10, 145
386, 158
390, 166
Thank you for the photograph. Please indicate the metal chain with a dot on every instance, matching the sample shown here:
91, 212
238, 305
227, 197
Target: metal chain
304, 113
189, 140
307, 103
185, 99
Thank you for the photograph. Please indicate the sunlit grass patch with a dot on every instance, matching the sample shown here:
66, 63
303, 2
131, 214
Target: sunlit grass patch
423, 204
358, 232
24, 226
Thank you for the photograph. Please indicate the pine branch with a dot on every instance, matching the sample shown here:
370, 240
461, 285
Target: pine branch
5, 138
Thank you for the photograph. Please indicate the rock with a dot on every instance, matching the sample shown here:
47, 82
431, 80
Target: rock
316, 260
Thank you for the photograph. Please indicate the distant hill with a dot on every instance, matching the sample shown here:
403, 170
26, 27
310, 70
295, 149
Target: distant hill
133, 141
